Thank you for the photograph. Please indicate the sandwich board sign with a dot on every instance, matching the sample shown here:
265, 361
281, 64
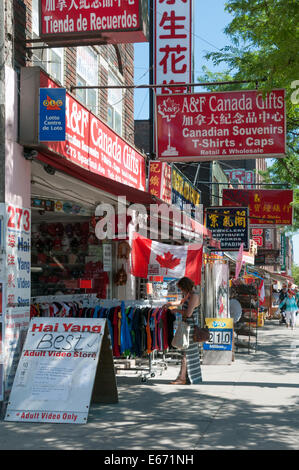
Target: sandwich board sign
66, 364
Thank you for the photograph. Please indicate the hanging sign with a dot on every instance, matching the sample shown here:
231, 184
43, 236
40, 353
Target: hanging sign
56, 373
223, 126
267, 207
86, 22
230, 226
52, 114
173, 44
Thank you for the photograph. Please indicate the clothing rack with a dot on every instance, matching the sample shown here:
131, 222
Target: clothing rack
155, 364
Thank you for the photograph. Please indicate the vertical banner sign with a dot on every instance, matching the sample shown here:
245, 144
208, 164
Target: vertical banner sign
224, 125
160, 181
57, 371
52, 103
230, 226
173, 44
18, 287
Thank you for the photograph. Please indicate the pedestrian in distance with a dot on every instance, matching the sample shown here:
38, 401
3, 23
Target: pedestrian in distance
283, 293
190, 372
290, 308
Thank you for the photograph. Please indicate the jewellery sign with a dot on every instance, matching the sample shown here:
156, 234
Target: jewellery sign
230, 226
57, 372
267, 207
82, 22
173, 44
224, 126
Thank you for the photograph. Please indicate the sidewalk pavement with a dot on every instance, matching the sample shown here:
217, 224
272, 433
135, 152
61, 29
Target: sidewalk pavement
251, 404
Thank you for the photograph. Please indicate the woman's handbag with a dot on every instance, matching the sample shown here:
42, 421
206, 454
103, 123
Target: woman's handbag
200, 335
181, 336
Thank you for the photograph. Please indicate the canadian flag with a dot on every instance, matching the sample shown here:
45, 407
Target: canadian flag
261, 291
153, 258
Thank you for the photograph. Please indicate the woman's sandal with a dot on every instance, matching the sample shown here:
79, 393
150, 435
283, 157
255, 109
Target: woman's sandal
178, 382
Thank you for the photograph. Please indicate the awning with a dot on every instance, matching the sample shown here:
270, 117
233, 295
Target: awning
116, 188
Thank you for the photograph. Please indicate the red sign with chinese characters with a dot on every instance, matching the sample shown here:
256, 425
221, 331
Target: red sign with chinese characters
160, 181
224, 126
173, 44
267, 207
115, 21
95, 147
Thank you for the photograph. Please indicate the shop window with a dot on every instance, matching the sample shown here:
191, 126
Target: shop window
66, 256
87, 75
115, 104
51, 60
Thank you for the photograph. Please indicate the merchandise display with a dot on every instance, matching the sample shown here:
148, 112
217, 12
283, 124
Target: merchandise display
65, 256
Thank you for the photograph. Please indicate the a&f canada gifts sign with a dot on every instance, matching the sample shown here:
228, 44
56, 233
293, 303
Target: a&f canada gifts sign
230, 125
64, 361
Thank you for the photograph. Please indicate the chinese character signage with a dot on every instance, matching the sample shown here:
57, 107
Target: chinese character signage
160, 181
230, 226
170, 185
224, 126
183, 191
52, 114
267, 207
112, 21
18, 286
173, 44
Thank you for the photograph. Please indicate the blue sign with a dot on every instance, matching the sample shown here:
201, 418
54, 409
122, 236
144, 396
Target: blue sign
52, 114
220, 340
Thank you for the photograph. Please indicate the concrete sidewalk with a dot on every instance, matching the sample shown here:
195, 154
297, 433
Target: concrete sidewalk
251, 404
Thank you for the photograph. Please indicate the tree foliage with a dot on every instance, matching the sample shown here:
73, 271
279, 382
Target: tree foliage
265, 37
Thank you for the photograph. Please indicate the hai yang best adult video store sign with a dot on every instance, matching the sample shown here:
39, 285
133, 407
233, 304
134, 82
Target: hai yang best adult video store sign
230, 125
65, 363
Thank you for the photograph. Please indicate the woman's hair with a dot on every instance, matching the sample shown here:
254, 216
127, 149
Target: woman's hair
185, 284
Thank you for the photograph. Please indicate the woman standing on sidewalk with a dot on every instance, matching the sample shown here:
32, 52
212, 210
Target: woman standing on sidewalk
290, 308
190, 372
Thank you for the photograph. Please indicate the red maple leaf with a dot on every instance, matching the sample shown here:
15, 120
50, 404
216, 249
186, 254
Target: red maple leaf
168, 261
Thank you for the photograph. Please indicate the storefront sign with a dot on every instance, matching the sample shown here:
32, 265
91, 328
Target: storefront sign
183, 191
211, 126
283, 251
16, 286
160, 181
89, 143
56, 373
267, 257
173, 44
221, 334
230, 226
52, 114
246, 177
267, 207
72, 21
257, 236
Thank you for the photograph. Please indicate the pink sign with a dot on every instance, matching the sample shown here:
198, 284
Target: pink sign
95, 147
211, 126
173, 41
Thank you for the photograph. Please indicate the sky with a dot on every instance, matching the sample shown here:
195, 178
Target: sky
210, 19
